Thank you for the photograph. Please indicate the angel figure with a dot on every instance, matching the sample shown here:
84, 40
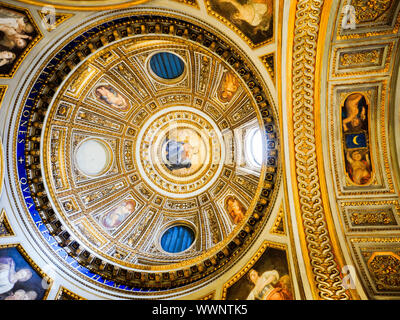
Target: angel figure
360, 169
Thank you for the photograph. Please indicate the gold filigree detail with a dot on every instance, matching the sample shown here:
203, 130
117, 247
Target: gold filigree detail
327, 280
65, 294
279, 224
58, 19
385, 269
269, 62
5, 227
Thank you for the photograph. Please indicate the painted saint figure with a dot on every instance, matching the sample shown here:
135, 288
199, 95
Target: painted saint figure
268, 286
9, 277
110, 96
235, 209
359, 167
178, 154
115, 217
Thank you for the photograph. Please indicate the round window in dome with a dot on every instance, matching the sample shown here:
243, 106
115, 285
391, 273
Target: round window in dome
93, 157
167, 65
177, 239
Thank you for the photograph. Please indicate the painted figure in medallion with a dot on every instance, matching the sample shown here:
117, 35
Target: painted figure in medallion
228, 87
116, 216
178, 154
183, 150
235, 209
108, 94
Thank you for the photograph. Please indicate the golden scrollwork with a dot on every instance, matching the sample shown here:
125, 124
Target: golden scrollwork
324, 269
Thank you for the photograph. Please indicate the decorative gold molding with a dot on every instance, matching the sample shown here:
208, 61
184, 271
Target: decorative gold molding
65, 294
5, 227
59, 18
192, 3
269, 62
322, 255
209, 296
93, 5
279, 224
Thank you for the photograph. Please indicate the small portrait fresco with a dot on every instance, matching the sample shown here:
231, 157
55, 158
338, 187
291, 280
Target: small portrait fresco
254, 18
358, 166
354, 113
18, 279
183, 151
227, 88
114, 218
267, 279
17, 35
235, 209
110, 96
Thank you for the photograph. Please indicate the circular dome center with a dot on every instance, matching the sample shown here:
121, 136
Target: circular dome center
180, 151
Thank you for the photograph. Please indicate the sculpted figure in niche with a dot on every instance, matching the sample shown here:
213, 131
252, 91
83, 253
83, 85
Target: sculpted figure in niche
359, 167
110, 96
116, 216
9, 277
269, 286
235, 209
228, 87
355, 112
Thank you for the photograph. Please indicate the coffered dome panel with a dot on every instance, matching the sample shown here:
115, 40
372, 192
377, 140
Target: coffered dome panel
134, 154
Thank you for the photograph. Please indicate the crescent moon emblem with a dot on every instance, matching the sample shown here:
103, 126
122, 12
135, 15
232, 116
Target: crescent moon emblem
355, 140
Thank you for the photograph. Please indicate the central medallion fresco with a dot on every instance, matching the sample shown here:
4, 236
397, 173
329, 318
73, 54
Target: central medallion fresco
136, 153
180, 151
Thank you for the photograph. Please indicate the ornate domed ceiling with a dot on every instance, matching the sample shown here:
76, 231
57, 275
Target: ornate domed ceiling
199, 149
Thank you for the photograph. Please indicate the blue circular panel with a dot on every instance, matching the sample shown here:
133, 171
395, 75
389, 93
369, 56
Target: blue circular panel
177, 239
167, 65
